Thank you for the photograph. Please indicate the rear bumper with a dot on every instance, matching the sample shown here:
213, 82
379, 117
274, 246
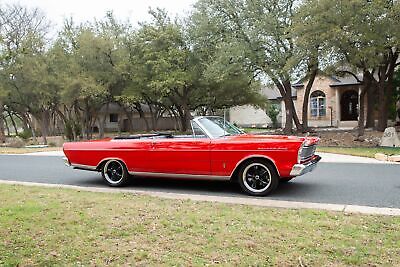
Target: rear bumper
66, 161
300, 169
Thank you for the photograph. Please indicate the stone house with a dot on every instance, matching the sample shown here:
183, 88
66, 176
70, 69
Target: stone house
334, 102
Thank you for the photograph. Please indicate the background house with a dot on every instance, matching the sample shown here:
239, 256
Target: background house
334, 102
117, 120
250, 116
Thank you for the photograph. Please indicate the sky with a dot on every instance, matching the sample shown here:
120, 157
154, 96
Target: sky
84, 10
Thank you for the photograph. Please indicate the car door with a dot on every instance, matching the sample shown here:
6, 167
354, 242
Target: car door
135, 153
181, 155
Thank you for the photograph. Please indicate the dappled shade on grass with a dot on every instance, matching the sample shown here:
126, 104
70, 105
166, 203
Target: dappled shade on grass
41, 226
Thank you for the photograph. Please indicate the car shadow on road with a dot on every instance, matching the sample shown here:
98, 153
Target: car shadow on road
201, 187
294, 188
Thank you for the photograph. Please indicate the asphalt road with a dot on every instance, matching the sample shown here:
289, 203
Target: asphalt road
376, 185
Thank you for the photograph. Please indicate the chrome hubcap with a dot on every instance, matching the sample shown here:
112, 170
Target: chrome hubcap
256, 177
113, 171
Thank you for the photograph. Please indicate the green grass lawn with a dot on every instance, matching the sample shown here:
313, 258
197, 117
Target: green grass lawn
360, 151
254, 130
40, 226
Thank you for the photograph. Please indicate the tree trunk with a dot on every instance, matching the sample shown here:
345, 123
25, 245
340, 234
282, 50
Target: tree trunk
295, 117
44, 123
25, 122
74, 131
32, 129
184, 116
143, 117
53, 124
87, 120
371, 100
367, 79
2, 135
173, 115
13, 123
152, 117
289, 117
385, 87
288, 87
102, 121
304, 116
7, 128
64, 120
139, 109
383, 102
285, 90
361, 114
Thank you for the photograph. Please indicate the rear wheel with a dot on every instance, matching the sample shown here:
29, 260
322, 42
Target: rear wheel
114, 172
258, 178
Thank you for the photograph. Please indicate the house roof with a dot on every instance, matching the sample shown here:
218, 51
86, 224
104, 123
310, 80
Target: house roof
272, 93
346, 80
336, 80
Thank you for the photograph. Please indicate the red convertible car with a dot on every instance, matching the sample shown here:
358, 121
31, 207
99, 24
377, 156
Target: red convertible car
215, 150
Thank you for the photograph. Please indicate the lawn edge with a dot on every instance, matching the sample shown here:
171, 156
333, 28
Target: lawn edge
263, 202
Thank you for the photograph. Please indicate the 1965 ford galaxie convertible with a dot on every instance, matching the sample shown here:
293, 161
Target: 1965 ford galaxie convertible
215, 150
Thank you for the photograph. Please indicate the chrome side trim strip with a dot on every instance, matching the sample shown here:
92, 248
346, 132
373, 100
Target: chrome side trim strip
272, 149
84, 167
180, 175
189, 150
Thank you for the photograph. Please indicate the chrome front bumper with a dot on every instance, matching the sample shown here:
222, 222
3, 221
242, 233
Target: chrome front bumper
300, 169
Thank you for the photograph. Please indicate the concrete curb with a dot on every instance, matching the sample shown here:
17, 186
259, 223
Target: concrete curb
263, 202
341, 158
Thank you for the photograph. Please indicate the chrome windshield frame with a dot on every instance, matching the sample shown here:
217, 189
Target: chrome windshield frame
198, 122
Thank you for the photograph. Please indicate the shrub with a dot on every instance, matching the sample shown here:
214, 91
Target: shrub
273, 112
69, 128
16, 142
52, 144
26, 134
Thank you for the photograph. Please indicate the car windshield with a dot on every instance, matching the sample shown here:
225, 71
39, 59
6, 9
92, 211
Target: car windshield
218, 127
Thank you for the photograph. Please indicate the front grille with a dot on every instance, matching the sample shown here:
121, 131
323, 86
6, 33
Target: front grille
307, 152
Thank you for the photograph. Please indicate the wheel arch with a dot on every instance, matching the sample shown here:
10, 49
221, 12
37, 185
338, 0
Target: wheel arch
102, 162
245, 160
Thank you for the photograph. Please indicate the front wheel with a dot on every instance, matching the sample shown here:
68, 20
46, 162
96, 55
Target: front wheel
258, 178
115, 173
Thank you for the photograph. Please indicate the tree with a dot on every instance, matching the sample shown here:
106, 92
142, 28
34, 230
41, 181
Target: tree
22, 33
364, 37
171, 71
95, 74
261, 31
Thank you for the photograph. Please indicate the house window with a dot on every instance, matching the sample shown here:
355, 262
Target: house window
318, 104
113, 117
